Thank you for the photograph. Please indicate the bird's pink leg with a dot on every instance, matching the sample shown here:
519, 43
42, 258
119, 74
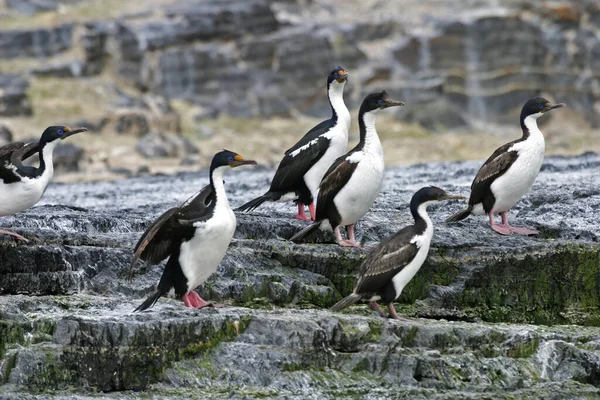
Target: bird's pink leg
198, 301
13, 234
340, 240
375, 307
186, 301
501, 229
301, 214
393, 312
514, 229
351, 240
313, 210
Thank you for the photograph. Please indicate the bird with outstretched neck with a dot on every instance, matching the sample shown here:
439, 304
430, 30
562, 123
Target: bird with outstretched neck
510, 171
394, 262
352, 183
22, 186
303, 165
194, 236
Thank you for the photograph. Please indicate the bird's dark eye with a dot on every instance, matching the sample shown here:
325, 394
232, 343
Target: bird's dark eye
540, 106
60, 132
381, 102
230, 159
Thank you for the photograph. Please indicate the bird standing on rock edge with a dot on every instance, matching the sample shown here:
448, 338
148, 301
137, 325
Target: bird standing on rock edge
352, 183
394, 262
195, 236
510, 172
303, 165
22, 186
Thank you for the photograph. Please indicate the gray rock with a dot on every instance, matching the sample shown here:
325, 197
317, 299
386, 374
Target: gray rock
72, 69
156, 145
39, 43
6, 135
13, 96
67, 157
131, 122
94, 42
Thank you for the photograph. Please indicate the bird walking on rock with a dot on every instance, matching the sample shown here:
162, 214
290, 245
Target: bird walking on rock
510, 172
195, 236
304, 164
353, 181
394, 262
22, 186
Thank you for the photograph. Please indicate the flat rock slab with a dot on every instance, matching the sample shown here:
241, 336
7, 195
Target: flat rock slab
66, 313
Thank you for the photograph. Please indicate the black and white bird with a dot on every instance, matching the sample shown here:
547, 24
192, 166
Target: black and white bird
510, 172
195, 237
352, 183
394, 262
303, 165
21, 186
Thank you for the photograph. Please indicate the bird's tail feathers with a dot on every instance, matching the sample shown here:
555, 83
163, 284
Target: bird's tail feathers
150, 301
459, 216
306, 231
346, 302
257, 202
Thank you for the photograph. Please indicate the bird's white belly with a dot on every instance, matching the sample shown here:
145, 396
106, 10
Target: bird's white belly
313, 177
509, 188
19, 196
401, 279
358, 195
200, 257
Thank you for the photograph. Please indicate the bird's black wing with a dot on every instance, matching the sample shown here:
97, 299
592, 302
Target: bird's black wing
333, 181
301, 157
7, 174
496, 165
386, 260
166, 231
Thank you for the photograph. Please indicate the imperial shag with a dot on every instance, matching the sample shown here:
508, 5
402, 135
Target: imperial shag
352, 183
303, 166
510, 172
195, 237
395, 261
21, 186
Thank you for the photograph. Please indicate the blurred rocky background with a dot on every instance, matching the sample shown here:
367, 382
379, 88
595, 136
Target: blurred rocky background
162, 84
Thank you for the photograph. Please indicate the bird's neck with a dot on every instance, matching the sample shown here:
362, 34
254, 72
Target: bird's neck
46, 153
216, 182
369, 140
339, 111
530, 128
419, 213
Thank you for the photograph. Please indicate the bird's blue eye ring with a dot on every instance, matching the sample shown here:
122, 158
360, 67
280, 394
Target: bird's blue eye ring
540, 106
382, 102
60, 132
230, 159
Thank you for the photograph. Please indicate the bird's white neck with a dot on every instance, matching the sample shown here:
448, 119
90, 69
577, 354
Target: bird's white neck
372, 144
336, 98
46, 156
425, 237
534, 139
217, 182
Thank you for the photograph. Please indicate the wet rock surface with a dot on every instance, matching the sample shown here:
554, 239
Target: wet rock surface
488, 315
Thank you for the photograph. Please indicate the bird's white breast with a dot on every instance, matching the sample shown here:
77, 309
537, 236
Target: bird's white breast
401, 279
358, 195
19, 196
200, 256
338, 142
509, 188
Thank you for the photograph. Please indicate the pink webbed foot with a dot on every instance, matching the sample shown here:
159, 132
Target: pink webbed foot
501, 229
348, 243
187, 301
301, 214
197, 301
13, 234
375, 307
522, 231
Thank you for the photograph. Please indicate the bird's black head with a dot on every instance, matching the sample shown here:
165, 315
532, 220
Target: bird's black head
228, 158
53, 133
378, 101
339, 75
537, 106
428, 195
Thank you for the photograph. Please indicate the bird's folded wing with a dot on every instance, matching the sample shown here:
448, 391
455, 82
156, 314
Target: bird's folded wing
494, 167
386, 260
297, 161
334, 180
6, 152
